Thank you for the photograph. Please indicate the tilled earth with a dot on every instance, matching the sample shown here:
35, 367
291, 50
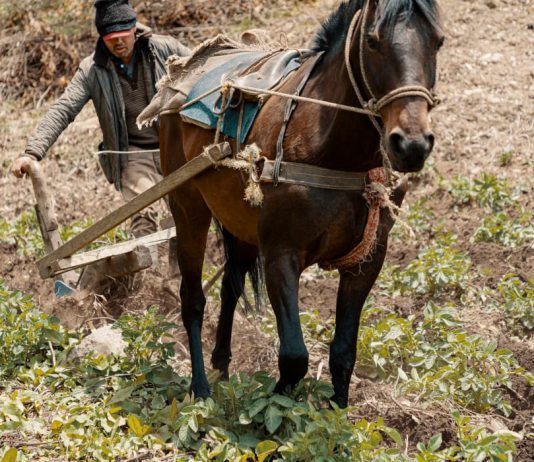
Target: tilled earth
487, 85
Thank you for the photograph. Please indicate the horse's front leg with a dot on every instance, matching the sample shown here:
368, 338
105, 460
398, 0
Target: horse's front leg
354, 287
353, 290
282, 278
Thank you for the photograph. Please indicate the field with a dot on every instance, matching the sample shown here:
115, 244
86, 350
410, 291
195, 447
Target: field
446, 348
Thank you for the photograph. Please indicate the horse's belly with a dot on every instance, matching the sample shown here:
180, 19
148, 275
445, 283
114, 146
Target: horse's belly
223, 191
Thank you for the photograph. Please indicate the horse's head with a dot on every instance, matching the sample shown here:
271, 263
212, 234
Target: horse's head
396, 47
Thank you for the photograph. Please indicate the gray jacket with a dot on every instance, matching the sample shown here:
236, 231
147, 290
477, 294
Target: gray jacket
97, 79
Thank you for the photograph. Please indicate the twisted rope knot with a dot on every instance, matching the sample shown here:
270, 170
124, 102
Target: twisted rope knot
249, 161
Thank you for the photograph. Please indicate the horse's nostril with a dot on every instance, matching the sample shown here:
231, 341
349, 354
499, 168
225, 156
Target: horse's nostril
396, 141
430, 139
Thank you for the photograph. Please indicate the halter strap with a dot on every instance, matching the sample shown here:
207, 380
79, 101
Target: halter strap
374, 104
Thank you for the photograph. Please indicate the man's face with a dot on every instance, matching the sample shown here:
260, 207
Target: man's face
122, 47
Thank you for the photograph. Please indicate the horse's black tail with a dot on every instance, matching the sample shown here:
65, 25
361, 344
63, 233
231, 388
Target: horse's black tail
237, 263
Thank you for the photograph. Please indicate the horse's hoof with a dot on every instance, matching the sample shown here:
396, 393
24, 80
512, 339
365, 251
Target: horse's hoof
202, 391
341, 401
222, 366
282, 387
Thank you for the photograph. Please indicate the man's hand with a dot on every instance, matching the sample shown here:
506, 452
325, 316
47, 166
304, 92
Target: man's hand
22, 166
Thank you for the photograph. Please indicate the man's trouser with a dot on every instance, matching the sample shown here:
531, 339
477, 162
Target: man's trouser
141, 173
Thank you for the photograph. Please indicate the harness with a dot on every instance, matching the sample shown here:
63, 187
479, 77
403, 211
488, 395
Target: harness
372, 183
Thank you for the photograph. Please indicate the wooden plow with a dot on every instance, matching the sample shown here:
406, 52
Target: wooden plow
61, 259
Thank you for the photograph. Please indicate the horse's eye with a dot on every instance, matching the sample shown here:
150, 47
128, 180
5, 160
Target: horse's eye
372, 42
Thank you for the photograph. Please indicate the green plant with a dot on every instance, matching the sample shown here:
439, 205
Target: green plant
477, 444
330, 437
518, 302
474, 444
506, 158
103, 408
487, 191
437, 359
508, 231
438, 268
24, 233
27, 335
418, 216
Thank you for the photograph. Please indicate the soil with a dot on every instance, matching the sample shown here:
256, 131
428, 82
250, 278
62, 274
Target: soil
487, 84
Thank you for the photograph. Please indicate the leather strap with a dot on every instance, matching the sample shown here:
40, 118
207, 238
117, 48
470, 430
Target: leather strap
290, 108
311, 175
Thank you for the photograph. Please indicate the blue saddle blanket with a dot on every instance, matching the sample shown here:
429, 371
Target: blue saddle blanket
201, 113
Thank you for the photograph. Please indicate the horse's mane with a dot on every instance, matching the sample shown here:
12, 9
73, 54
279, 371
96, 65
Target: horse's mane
334, 30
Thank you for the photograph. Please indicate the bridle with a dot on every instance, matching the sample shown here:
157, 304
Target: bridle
375, 105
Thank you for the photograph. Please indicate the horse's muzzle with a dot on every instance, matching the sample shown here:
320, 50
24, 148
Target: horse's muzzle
409, 152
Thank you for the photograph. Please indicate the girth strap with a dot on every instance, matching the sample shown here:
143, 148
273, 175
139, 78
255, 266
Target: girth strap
311, 175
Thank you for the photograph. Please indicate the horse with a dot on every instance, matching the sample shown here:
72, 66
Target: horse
380, 55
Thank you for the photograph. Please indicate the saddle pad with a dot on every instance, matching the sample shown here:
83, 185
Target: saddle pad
201, 113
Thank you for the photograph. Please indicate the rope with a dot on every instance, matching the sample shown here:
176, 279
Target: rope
304, 99
259, 91
409, 90
147, 151
226, 98
247, 161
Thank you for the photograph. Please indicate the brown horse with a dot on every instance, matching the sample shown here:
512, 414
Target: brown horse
385, 50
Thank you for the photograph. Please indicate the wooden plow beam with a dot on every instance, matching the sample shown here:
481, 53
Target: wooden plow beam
62, 258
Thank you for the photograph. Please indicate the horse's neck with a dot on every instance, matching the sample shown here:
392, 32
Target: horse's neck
345, 141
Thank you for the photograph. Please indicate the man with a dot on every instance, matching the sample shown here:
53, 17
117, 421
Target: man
120, 78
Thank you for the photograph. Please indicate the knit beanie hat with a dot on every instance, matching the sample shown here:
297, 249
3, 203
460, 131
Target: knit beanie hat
114, 16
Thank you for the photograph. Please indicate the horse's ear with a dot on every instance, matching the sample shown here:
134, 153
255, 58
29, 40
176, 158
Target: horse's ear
373, 5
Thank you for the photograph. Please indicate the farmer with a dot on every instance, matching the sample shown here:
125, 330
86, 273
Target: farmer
120, 78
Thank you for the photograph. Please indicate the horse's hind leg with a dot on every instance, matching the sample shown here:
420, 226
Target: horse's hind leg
282, 277
240, 259
192, 218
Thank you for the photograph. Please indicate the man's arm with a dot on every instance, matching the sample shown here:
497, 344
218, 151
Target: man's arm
178, 48
59, 116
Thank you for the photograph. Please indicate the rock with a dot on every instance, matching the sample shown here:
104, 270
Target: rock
105, 340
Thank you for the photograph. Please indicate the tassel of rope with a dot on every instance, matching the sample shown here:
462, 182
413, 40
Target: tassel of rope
247, 161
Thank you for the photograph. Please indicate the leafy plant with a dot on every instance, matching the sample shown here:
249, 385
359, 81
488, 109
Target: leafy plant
24, 233
418, 216
487, 191
27, 335
508, 231
437, 359
518, 298
104, 408
438, 268
474, 444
